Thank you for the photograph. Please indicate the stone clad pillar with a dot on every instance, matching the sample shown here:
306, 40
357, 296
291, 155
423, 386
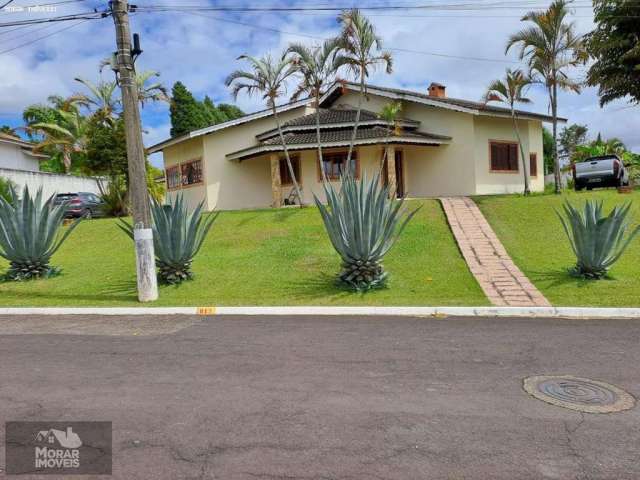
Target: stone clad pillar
391, 171
276, 188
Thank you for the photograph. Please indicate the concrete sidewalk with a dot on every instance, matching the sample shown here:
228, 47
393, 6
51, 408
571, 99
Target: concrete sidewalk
304, 397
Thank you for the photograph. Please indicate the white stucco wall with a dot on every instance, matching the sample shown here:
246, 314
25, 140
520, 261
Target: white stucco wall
14, 157
501, 129
51, 183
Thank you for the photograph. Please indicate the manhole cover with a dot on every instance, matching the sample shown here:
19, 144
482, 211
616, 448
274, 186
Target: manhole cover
581, 394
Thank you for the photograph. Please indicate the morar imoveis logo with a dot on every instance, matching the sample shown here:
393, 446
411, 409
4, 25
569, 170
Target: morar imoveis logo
57, 449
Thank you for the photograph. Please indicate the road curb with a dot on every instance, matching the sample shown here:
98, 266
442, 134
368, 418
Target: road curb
528, 312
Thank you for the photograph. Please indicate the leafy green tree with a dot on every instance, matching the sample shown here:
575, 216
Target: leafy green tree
150, 92
551, 47
231, 112
106, 147
511, 91
102, 99
213, 114
547, 150
615, 47
187, 114
571, 137
7, 129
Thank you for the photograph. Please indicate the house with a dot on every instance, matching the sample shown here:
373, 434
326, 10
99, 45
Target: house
440, 146
16, 154
20, 165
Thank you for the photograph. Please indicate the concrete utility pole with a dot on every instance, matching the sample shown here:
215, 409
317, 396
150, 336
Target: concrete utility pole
145, 257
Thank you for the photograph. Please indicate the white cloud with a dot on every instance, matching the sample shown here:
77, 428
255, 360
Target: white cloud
201, 51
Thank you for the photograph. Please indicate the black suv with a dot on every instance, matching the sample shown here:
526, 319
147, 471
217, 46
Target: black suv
81, 204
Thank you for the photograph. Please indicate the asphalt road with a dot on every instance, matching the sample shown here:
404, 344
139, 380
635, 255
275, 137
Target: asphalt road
267, 398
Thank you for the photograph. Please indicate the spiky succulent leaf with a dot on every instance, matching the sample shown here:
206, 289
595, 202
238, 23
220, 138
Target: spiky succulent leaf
30, 234
598, 241
178, 236
363, 223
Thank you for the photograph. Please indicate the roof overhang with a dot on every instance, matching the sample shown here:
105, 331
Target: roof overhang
158, 147
328, 126
338, 88
262, 149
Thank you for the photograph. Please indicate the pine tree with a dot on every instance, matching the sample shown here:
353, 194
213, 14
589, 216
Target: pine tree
187, 114
213, 113
231, 112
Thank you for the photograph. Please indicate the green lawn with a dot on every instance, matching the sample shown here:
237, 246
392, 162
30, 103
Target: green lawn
533, 236
260, 257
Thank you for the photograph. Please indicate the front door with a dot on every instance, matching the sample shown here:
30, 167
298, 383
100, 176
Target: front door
399, 174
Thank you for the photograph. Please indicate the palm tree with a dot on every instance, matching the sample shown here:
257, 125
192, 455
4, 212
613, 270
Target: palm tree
360, 46
389, 114
551, 47
317, 67
155, 92
67, 134
267, 76
511, 91
103, 97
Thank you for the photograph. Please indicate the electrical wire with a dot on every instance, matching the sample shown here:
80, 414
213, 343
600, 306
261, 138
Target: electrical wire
68, 27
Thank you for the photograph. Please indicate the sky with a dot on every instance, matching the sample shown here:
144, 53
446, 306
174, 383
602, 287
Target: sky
200, 48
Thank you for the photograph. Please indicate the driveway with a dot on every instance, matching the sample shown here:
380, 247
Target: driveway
328, 398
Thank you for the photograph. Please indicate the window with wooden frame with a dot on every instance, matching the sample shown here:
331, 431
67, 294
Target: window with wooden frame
191, 173
173, 177
334, 164
503, 156
533, 164
285, 175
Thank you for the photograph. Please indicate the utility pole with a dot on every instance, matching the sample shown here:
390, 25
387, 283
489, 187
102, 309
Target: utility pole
141, 212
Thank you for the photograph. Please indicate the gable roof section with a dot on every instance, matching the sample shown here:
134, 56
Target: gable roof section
337, 89
340, 138
27, 147
334, 118
158, 147
455, 104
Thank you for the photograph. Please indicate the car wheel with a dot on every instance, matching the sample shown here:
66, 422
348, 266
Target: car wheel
87, 215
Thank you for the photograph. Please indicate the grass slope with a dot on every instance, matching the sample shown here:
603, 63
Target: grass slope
532, 234
260, 257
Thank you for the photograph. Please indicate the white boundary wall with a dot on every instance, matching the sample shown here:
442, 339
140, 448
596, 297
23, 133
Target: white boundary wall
51, 182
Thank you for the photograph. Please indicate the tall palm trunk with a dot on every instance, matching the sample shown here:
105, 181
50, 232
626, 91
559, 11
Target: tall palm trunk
320, 160
554, 114
286, 152
357, 121
66, 161
527, 189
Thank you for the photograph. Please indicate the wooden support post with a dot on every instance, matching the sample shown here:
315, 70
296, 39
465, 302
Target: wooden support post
276, 188
391, 171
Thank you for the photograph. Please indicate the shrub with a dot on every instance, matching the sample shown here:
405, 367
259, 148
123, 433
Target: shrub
177, 237
6, 188
114, 197
30, 234
598, 241
363, 223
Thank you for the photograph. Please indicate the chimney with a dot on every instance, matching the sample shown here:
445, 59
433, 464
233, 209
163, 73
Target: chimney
437, 90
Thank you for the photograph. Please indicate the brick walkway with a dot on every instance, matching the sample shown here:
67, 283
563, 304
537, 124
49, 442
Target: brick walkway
502, 282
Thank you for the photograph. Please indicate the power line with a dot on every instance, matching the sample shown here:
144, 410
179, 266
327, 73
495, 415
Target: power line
314, 37
93, 15
6, 4
3, 52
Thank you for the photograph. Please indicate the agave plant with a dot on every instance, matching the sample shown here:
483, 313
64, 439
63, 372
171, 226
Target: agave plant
30, 234
597, 240
177, 237
363, 223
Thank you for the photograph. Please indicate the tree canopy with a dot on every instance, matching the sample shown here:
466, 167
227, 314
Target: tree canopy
615, 47
189, 114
